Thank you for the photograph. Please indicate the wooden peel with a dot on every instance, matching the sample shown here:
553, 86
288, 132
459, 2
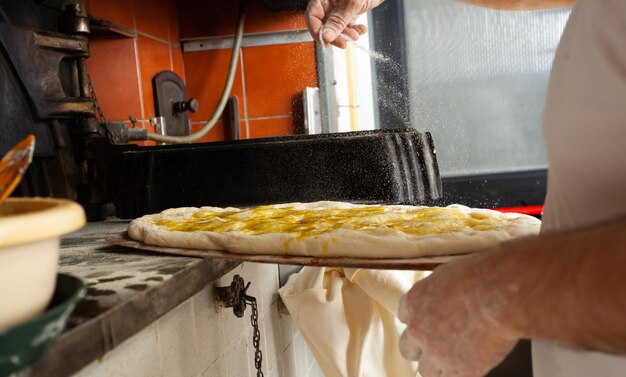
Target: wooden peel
416, 263
14, 164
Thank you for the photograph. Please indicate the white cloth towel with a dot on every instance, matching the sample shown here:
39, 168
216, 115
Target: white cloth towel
348, 318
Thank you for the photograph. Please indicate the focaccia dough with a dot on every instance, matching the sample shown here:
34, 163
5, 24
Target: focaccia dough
333, 229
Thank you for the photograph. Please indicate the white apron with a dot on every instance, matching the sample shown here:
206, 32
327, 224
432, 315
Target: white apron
584, 128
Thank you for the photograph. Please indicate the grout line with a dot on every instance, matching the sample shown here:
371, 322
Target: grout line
138, 64
245, 97
195, 337
169, 21
155, 38
158, 341
288, 116
169, 49
182, 62
169, 43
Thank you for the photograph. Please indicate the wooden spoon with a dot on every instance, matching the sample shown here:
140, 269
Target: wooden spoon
14, 164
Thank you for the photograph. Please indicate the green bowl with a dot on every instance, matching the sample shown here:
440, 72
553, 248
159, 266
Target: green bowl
23, 344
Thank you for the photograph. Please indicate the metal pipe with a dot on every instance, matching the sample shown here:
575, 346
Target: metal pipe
83, 78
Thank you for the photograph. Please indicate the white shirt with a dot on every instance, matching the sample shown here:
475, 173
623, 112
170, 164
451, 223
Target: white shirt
584, 129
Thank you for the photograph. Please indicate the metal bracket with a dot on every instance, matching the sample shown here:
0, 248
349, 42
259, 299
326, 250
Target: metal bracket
234, 296
170, 103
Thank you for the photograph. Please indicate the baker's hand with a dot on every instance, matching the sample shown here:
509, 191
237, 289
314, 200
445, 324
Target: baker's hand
457, 321
328, 20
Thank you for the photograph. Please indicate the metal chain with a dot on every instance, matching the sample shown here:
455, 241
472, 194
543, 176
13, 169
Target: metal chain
235, 296
256, 336
100, 115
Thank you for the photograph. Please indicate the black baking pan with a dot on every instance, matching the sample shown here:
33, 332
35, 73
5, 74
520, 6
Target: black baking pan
383, 166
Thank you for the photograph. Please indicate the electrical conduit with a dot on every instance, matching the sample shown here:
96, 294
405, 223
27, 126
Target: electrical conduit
232, 69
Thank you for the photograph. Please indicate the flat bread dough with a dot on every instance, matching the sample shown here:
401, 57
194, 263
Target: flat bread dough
333, 229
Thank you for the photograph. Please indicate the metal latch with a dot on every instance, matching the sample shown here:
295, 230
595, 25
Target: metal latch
234, 296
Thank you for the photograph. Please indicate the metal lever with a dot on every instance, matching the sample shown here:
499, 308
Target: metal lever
191, 105
234, 296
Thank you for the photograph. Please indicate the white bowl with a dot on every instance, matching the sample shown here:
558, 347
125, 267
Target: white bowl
30, 233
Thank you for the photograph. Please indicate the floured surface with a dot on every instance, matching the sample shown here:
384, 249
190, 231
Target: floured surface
333, 229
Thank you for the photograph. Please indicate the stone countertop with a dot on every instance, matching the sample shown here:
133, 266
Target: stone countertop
126, 291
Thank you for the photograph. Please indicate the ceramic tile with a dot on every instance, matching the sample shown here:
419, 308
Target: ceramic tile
271, 340
274, 88
153, 17
270, 127
232, 327
286, 327
205, 72
137, 356
228, 278
299, 347
243, 130
178, 64
174, 22
207, 329
224, 133
217, 369
145, 124
207, 18
250, 273
117, 11
154, 57
239, 358
216, 133
273, 373
268, 285
113, 71
177, 346
260, 18
289, 366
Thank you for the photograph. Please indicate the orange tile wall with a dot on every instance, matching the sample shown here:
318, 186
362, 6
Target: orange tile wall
122, 69
269, 81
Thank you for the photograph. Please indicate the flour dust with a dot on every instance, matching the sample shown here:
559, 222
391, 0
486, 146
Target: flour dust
389, 94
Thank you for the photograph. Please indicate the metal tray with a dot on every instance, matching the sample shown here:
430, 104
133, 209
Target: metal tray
382, 166
419, 263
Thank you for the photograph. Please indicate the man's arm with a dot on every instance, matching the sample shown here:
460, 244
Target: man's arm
327, 20
568, 288
576, 291
521, 4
